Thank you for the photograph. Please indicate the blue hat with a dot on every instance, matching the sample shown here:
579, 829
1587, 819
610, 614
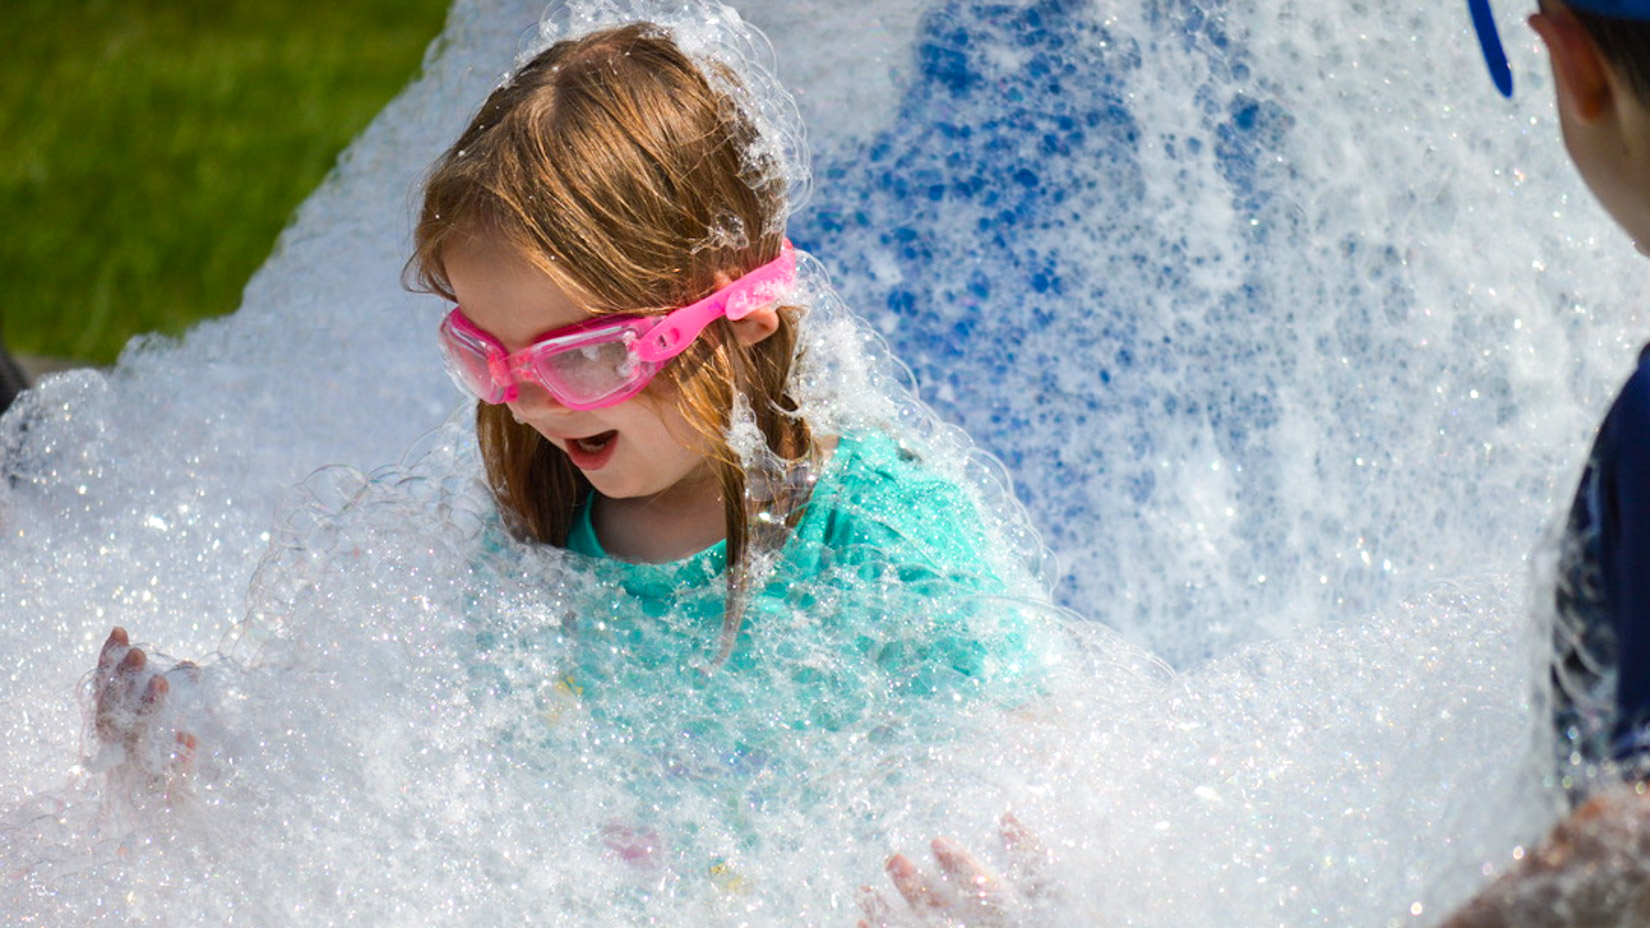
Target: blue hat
1496, 58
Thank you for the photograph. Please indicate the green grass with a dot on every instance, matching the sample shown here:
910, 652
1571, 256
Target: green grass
151, 151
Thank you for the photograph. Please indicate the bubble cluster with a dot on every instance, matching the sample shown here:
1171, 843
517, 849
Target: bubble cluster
1210, 282
1191, 297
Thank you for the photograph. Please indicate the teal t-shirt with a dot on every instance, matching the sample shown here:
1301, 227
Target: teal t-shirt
887, 591
888, 622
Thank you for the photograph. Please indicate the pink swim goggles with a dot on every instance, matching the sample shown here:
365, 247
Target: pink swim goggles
606, 360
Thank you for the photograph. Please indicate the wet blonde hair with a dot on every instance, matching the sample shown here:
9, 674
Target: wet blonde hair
612, 164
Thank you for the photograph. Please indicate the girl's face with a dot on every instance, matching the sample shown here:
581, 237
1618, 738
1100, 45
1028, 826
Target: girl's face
641, 449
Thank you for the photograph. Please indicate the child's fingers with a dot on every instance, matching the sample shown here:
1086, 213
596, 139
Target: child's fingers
1029, 857
111, 646
125, 676
137, 719
879, 913
1017, 837
113, 650
183, 760
153, 694
115, 694
983, 898
919, 892
130, 665
965, 871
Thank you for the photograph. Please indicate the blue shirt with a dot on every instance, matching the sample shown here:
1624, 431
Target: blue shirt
1601, 675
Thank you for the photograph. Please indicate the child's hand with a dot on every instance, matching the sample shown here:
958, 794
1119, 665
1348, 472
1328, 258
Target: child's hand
1593, 871
127, 701
968, 893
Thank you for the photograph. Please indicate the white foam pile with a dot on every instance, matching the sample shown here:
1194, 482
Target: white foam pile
1288, 331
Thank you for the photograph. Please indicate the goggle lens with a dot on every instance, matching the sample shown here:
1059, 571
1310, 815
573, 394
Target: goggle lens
469, 361
593, 372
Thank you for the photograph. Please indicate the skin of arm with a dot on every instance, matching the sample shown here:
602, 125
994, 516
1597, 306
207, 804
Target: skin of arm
1592, 871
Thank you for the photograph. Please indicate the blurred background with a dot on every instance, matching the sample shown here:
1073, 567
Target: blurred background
152, 150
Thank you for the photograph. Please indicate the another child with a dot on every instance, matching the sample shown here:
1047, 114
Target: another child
1595, 867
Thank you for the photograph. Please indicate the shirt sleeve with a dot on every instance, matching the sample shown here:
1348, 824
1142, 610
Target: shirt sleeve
1626, 531
939, 609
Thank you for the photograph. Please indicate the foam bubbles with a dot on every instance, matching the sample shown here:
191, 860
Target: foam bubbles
1262, 311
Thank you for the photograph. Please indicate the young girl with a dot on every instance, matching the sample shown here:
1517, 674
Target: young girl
759, 578
612, 232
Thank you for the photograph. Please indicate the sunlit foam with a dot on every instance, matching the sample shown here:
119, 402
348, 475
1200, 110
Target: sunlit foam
1289, 332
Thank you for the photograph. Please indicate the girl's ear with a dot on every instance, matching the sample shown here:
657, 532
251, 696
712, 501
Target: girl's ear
757, 326
1580, 76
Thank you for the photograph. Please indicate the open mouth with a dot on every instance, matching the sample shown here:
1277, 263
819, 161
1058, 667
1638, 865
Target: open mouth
595, 444
592, 451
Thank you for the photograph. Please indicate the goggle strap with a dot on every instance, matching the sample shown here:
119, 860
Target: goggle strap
676, 331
